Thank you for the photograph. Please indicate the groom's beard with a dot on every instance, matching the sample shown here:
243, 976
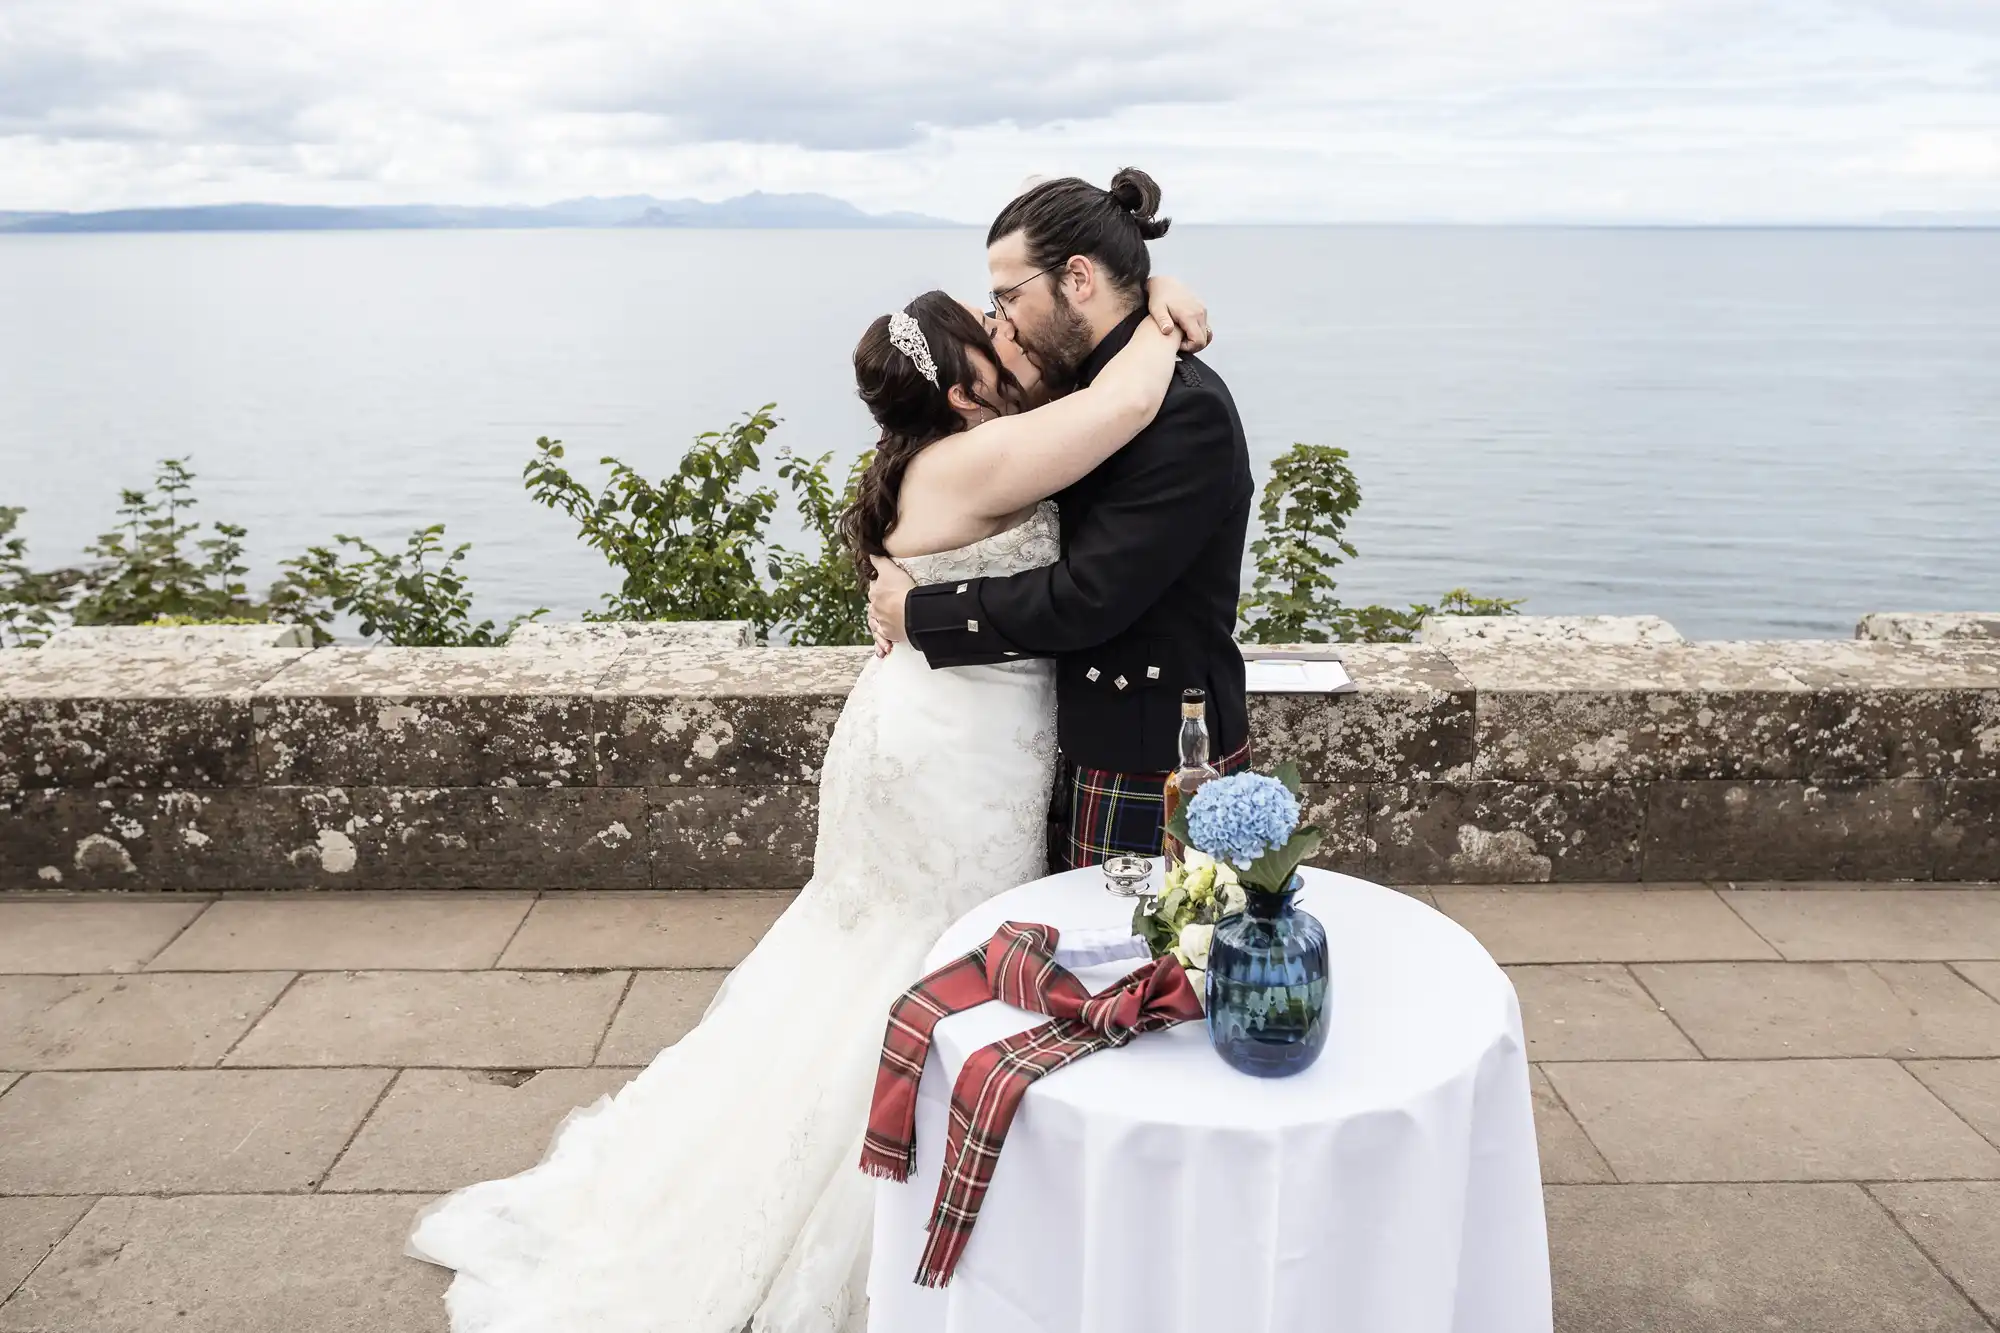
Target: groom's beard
1059, 347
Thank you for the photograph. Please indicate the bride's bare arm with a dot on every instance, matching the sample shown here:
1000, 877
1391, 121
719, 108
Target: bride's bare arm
1003, 466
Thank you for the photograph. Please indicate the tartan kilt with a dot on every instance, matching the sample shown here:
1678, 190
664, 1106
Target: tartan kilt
1099, 813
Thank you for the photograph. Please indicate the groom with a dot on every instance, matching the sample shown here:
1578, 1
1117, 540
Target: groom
1143, 603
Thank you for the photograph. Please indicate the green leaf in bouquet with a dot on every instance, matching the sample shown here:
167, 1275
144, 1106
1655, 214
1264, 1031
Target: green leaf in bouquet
1273, 871
1177, 827
1159, 936
1288, 773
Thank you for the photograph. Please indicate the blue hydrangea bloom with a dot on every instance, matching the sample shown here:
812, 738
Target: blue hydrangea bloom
1237, 819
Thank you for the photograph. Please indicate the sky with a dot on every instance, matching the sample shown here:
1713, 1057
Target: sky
1252, 110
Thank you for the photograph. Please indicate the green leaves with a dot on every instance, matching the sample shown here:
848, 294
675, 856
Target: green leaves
685, 545
156, 563
30, 601
1294, 597
416, 598
818, 599
692, 545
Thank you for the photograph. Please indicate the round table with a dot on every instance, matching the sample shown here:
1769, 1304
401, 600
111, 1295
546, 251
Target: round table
1393, 1187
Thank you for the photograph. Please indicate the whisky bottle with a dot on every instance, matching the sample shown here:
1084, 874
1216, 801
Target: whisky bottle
1194, 769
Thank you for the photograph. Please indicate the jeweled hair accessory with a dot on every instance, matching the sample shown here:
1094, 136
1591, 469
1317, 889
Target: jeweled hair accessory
908, 338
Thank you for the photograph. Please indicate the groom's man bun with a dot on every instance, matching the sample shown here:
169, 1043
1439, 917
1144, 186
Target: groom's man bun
1139, 195
1060, 218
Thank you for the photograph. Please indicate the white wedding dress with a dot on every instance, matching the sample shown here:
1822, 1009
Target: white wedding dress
721, 1188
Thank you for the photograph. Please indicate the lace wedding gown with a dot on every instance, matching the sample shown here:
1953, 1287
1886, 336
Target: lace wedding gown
721, 1187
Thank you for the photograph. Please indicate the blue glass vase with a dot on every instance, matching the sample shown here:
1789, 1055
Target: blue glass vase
1267, 986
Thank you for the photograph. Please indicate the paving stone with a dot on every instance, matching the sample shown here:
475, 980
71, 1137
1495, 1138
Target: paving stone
161, 1021
1940, 924
88, 934
7, 1081
675, 928
444, 1129
348, 931
236, 1264
1567, 1155
658, 1012
29, 1229
1969, 1087
1584, 1011
1958, 1222
1880, 830
1739, 1011
1602, 927
1986, 976
1740, 1259
1775, 1120
159, 1131
486, 1020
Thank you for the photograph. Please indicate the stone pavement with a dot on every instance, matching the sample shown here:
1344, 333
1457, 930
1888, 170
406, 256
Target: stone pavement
1759, 1109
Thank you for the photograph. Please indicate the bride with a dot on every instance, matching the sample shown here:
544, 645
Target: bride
721, 1187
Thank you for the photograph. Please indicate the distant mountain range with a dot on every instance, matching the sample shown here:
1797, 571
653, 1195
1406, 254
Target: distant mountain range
637, 210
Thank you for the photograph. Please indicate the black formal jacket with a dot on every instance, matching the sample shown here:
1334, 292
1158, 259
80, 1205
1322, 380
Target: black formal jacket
1143, 603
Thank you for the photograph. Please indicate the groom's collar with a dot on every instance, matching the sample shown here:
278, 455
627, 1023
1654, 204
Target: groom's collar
1112, 344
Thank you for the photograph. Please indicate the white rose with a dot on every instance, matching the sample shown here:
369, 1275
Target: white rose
1199, 980
1234, 900
1195, 941
1225, 873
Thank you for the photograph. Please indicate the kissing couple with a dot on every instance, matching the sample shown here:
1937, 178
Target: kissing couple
1052, 533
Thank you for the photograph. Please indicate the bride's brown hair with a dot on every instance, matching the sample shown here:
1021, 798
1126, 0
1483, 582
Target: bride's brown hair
913, 413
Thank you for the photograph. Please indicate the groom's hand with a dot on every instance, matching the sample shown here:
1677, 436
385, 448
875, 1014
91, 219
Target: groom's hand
886, 596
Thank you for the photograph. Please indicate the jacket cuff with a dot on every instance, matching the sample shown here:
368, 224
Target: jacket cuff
946, 624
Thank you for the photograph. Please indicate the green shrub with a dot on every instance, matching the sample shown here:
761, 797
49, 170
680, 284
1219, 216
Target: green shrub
412, 599
691, 545
32, 604
685, 546
157, 563
818, 599
1294, 597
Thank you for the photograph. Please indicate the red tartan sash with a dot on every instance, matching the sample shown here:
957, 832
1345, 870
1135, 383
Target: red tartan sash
1017, 966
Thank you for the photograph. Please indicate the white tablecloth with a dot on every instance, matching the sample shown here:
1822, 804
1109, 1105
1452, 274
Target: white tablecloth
1391, 1188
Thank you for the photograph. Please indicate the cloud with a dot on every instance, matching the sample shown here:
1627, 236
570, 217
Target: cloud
1298, 108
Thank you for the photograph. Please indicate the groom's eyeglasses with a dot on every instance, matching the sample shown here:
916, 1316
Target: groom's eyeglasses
996, 307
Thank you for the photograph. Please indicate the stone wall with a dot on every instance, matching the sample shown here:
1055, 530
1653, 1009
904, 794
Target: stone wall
674, 757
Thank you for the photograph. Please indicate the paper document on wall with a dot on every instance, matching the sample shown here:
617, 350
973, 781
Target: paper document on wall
1297, 673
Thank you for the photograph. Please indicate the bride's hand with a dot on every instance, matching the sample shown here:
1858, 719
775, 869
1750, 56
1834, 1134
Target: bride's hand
1173, 306
885, 603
